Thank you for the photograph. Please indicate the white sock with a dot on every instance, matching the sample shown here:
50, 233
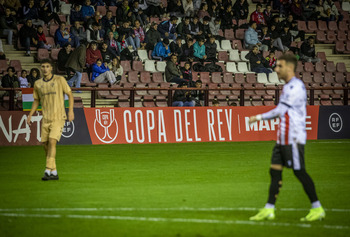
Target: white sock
48, 172
316, 204
54, 172
269, 205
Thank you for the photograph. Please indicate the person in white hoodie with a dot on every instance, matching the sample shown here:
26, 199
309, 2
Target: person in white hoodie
188, 7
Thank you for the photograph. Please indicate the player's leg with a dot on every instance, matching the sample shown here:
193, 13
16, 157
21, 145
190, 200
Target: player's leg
45, 142
316, 212
268, 212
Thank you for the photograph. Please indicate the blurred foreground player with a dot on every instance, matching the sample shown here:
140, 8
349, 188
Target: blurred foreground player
291, 139
50, 91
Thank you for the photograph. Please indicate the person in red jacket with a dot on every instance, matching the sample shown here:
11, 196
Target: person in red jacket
92, 54
42, 43
258, 15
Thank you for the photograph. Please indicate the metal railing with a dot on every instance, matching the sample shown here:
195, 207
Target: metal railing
93, 90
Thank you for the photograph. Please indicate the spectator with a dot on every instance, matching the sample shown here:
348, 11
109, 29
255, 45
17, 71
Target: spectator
214, 12
173, 72
42, 43
251, 38
123, 48
8, 24
62, 36
155, 8
46, 14
93, 34
113, 29
297, 10
102, 74
293, 28
188, 51
205, 27
28, 36
276, 40
15, 5
106, 52
87, 10
196, 4
258, 15
199, 50
268, 14
186, 72
175, 7
196, 27
138, 14
96, 19
107, 21
162, 50
184, 28
30, 11
211, 49
116, 68
92, 54
332, 11
176, 47
226, 18
2, 54
188, 7
63, 56
10, 80
76, 14
241, 8
307, 51
258, 63
33, 76
203, 11
139, 34
143, 6
198, 95
321, 13
152, 36
182, 97
78, 31
113, 44
23, 81
265, 38
286, 38
75, 64
129, 34
122, 12
215, 27
276, 22
167, 29
271, 59
308, 10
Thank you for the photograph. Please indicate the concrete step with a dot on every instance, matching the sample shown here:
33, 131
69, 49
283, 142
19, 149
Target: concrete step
7, 47
23, 58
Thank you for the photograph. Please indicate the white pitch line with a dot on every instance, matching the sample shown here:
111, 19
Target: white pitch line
163, 209
178, 220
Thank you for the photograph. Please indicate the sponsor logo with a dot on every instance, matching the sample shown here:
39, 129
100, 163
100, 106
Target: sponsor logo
68, 129
106, 126
335, 122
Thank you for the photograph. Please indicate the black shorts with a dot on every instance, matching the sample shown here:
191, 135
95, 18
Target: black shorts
290, 156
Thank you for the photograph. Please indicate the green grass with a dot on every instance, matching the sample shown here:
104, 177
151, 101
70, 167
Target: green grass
196, 175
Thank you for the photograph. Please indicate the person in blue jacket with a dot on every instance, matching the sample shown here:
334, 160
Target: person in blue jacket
87, 10
162, 50
167, 29
76, 14
102, 74
62, 36
199, 50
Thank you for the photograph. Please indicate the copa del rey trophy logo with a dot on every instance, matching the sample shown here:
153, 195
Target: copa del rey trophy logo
106, 126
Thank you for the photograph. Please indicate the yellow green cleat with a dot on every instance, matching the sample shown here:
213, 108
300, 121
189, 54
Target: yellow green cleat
264, 214
315, 214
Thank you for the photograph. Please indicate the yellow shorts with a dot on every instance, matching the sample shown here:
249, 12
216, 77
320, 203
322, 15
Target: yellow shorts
52, 129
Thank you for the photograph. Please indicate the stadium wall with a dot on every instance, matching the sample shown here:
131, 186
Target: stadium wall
171, 125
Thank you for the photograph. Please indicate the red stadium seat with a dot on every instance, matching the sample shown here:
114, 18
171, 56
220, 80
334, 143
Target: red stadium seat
319, 67
157, 77
145, 77
251, 78
126, 65
228, 77
213, 92
302, 25
341, 36
137, 66
330, 67
239, 78
339, 77
16, 64
116, 93
153, 92
133, 77
343, 26
320, 36
317, 77
50, 41
222, 56
300, 67
347, 47
103, 94
113, 9
331, 37
3, 66
307, 78
312, 26
229, 34
54, 54
222, 65
204, 77
43, 54
221, 33
309, 67
102, 10
339, 46
341, 67
328, 77
237, 44
322, 25
240, 34
216, 77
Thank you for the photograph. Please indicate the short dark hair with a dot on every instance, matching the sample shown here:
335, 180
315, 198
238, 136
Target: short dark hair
216, 102
252, 22
289, 58
173, 18
166, 41
199, 81
12, 69
258, 5
44, 61
206, 18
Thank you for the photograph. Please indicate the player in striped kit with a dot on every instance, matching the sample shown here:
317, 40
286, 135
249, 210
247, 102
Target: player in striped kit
291, 139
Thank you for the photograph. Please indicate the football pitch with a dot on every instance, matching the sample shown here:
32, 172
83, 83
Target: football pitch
193, 189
